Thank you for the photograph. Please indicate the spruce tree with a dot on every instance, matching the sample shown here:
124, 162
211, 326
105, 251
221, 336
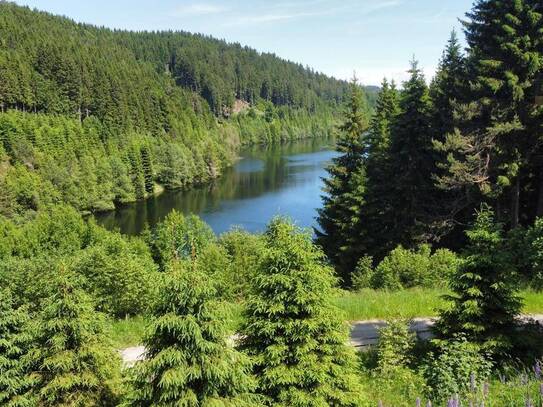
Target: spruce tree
147, 167
188, 360
448, 88
72, 362
505, 66
373, 225
295, 336
344, 190
15, 339
485, 302
411, 193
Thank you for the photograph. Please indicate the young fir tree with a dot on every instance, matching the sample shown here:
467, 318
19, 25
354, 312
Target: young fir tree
188, 360
377, 208
345, 190
15, 339
147, 167
485, 302
411, 193
295, 336
72, 362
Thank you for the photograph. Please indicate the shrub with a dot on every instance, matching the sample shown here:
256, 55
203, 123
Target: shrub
362, 276
455, 368
179, 237
245, 250
404, 268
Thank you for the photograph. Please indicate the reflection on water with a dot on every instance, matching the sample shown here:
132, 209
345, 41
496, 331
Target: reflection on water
267, 181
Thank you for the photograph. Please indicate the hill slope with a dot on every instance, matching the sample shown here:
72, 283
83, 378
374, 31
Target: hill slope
97, 117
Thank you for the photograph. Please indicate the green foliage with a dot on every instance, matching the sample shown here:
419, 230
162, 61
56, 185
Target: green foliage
119, 273
456, 368
485, 303
179, 237
396, 344
363, 273
15, 340
339, 217
189, 361
72, 363
404, 268
292, 332
244, 250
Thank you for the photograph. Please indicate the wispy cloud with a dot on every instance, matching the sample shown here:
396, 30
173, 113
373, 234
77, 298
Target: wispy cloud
197, 9
271, 17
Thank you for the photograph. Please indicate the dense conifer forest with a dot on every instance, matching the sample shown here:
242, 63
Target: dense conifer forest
433, 205
112, 113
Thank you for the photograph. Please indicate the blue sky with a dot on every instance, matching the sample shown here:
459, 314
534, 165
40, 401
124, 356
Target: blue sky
375, 38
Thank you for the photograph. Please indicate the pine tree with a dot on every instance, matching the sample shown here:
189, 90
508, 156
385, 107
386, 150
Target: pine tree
345, 190
448, 88
73, 365
376, 211
296, 337
147, 169
449, 92
485, 302
412, 192
188, 359
505, 63
15, 339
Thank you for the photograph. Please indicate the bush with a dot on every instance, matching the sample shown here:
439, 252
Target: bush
455, 368
179, 237
362, 276
404, 268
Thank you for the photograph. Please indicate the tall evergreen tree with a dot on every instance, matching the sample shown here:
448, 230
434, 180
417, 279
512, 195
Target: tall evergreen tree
147, 167
188, 360
15, 339
498, 150
448, 88
485, 301
294, 334
411, 192
373, 227
72, 363
345, 190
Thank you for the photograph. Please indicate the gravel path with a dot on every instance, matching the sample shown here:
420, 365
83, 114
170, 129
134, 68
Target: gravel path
363, 334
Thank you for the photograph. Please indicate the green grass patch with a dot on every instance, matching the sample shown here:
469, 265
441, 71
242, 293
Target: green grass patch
377, 304
126, 332
363, 305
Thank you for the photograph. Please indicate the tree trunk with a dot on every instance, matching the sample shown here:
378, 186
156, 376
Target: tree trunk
515, 203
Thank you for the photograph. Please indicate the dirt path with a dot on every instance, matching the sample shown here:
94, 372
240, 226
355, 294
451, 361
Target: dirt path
363, 334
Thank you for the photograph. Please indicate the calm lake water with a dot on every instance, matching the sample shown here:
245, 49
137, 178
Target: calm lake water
267, 181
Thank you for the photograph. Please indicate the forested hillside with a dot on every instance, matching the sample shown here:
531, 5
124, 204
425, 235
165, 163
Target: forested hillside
79, 103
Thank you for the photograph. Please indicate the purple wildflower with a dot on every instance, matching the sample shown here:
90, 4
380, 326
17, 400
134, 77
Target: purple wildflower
419, 402
486, 389
537, 370
472, 382
429, 404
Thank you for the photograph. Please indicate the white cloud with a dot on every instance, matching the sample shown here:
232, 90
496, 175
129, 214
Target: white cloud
197, 9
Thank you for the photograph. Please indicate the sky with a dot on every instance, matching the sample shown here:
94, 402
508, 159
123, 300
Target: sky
374, 38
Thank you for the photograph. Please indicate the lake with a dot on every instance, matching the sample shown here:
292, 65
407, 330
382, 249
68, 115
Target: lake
267, 181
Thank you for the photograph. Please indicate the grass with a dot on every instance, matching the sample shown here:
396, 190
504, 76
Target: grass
363, 305
374, 304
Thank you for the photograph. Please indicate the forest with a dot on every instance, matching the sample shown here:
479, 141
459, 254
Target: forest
95, 118
433, 207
